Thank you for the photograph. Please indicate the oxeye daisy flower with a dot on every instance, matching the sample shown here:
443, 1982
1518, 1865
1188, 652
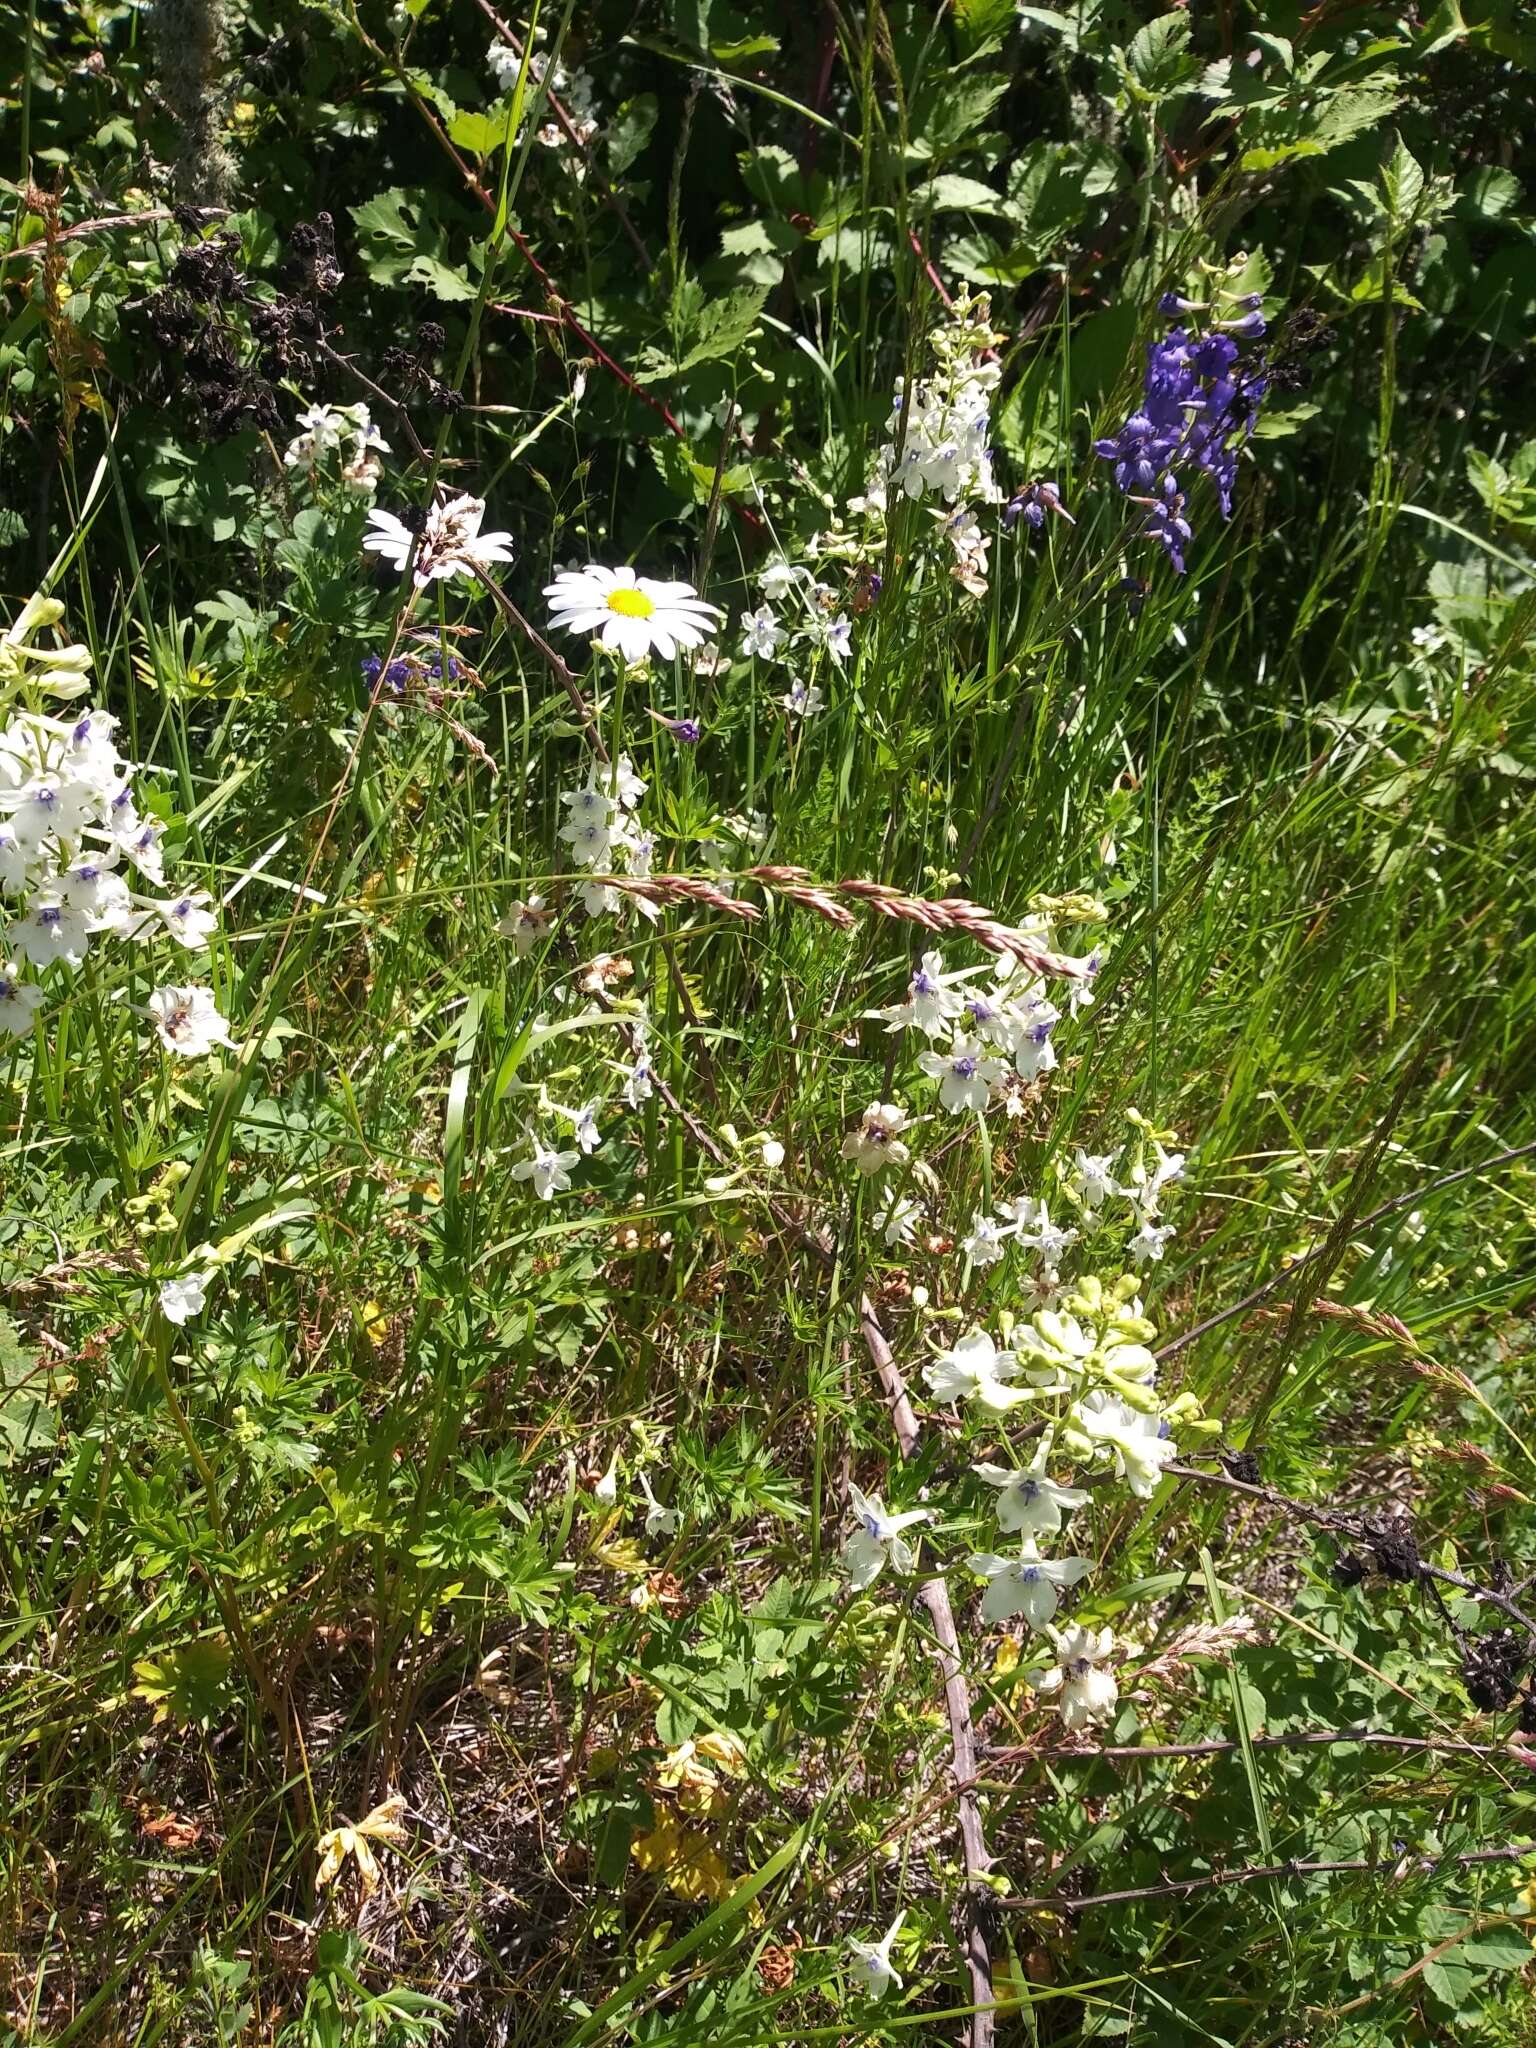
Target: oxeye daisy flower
632, 615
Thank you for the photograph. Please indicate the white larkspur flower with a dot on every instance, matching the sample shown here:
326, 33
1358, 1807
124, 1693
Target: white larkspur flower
878, 1539
987, 1241
1134, 1441
761, 634
50, 931
1091, 1179
584, 1128
525, 925
188, 919
19, 1002
1029, 1502
779, 578
965, 1074
188, 1020
803, 700
185, 1295
934, 999
898, 1220
875, 1141
632, 615
1087, 1690
1147, 1245
772, 1150
639, 1082
1028, 1584
975, 1370
1049, 1239
1146, 1187
606, 1491
659, 1521
870, 1961
547, 1167
450, 542
836, 635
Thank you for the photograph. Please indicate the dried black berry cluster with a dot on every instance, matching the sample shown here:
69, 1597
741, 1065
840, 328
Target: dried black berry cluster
1391, 1551
219, 347
1291, 362
1492, 1668
408, 372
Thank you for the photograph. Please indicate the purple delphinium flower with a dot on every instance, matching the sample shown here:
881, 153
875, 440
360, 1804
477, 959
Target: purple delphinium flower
1197, 407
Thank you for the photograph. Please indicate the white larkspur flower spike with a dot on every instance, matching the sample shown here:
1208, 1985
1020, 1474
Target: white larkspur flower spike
878, 1539
185, 1295
1028, 1584
870, 1961
965, 1074
450, 542
1029, 1502
1080, 1676
547, 1167
975, 1370
632, 615
188, 1020
19, 1002
1134, 1441
875, 1141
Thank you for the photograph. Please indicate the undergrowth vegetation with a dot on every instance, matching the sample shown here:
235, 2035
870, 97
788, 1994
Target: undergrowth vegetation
767, 998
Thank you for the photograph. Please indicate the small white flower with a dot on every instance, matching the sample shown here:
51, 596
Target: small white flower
803, 700
836, 635
450, 542
639, 1082
547, 1167
1029, 1501
870, 1961
1046, 1237
583, 1123
986, 1243
1092, 1180
188, 1020
761, 634
975, 1370
659, 1521
632, 615
1147, 1244
606, 1491
1028, 1584
875, 1142
1134, 1441
878, 1539
188, 919
779, 579
965, 1074
50, 931
1088, 1690
185, 1295
899, 1220
19, 1002
934, 999
525, 924
773, 1153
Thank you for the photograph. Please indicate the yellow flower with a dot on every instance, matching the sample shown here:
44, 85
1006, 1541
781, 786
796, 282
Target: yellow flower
356, 1840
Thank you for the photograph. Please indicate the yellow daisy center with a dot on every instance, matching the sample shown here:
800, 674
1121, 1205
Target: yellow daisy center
630, 603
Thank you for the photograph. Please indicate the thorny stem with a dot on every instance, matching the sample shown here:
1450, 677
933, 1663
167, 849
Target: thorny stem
1302, 1738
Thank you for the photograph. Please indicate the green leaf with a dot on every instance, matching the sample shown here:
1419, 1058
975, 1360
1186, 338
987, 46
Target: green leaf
1158, 58
482, 133
27, 1420
952, 194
